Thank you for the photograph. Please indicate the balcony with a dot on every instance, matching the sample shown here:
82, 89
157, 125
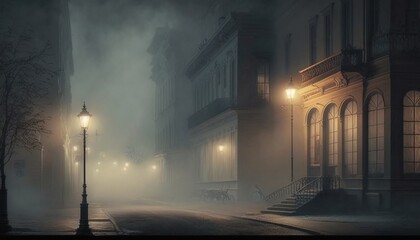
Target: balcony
396, 43
214, 108
346, 61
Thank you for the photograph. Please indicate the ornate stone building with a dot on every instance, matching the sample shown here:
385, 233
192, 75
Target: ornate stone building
355, 112
354, 63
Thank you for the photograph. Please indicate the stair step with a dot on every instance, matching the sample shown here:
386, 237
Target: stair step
282, 208
279, 212
307, 193
285, 205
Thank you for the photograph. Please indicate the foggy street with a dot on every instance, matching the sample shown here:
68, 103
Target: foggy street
152, 219
209, 117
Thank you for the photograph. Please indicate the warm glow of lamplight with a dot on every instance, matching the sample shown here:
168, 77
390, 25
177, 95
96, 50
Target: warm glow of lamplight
75, 148
154, 167
221, 148
84, 117
125, 169
77, 163
96, 170
127, 164
99, 163
291, 90
115, 163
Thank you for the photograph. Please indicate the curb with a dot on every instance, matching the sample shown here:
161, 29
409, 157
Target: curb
312, 232
114, 223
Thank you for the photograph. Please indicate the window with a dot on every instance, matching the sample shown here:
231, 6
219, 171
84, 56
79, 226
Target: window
314, 138
347, 24
380, 14
224, 76
218, 76
350, 139
232, 167
332, 135
287, 53
328, 32
232, 78
312, 41
413, 15
411, 118
263, 83
376, 135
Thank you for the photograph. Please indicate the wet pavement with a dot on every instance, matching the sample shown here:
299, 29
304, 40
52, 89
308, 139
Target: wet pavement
373, 223
65, 221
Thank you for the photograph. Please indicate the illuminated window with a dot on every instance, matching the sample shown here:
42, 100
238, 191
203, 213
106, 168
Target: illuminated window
332, 135
350, 139
314, 138
376, 135
263, 84
411, 118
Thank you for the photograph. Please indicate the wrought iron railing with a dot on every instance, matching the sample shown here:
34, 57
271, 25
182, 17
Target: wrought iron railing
346, 60
214, 108
313, 188
288, 190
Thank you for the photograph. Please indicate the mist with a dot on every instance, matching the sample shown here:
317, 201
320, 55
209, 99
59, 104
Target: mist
112, 70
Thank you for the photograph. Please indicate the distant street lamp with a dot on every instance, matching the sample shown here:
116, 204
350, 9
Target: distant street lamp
290, 91
221, 148
84, 228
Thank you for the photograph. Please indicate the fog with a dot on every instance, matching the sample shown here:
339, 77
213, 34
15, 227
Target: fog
112, 76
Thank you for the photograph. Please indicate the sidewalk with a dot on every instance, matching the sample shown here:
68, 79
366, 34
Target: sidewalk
379, 223
60, 221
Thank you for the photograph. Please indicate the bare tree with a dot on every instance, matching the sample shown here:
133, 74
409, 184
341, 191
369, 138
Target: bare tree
25, 78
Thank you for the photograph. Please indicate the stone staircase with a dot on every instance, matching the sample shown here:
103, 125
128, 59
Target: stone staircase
285, 207
291, 204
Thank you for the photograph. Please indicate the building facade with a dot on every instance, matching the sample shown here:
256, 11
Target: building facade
230, 79
354, 65
172, 106
358, 85
43, 174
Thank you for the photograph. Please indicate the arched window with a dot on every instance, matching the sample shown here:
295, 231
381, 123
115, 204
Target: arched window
411, 120
331, 130
350, 139
376, 135
314, 138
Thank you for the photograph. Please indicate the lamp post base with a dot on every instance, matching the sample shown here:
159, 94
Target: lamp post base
84, 228
5, 228
4, 221
84, 231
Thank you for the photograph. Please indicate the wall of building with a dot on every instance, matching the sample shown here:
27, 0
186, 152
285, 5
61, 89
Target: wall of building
47, 21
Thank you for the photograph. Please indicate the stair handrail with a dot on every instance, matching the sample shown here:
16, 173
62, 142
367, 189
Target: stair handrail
288, 190
313, 188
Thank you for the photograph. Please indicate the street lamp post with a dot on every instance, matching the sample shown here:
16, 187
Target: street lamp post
84, 228
290, 91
